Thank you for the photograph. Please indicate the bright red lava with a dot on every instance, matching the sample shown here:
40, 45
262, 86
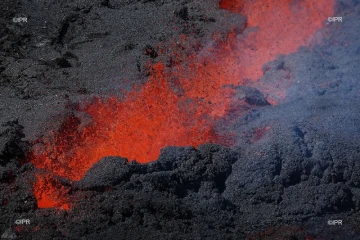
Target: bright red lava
50, 193
155, 116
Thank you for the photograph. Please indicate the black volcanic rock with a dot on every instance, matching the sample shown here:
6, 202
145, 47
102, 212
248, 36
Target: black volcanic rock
108, 172
250, 95
215, 191
11, 144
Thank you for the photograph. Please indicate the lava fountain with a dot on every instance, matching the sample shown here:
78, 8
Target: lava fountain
154, 116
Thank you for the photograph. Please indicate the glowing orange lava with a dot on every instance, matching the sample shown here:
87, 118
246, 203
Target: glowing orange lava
136, 128
156, 115
50, 193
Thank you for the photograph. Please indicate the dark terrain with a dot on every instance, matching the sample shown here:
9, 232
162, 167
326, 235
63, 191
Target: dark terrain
282, 183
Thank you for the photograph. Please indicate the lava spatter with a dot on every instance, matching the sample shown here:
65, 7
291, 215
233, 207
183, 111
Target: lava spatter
137, 128
50, 193
155, 115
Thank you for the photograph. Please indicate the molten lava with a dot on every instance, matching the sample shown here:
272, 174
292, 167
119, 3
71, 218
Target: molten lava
50, 193
157, 115
137, 128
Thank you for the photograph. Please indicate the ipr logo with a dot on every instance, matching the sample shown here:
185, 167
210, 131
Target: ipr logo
22, 221
334, 19
19, 19
335, 222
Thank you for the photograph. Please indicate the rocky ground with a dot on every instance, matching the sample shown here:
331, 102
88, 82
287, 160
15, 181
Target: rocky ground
293, 166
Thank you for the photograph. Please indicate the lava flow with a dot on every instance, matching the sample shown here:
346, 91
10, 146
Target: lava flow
156, 116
